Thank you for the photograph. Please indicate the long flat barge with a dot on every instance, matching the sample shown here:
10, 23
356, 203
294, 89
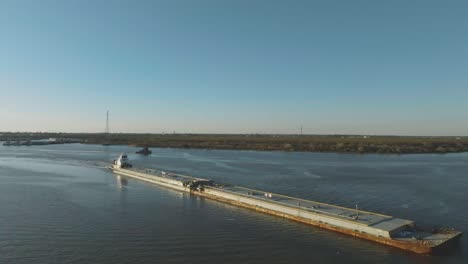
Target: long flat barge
384, 229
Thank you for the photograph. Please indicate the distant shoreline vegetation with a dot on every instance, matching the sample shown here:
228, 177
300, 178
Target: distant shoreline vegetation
260, 142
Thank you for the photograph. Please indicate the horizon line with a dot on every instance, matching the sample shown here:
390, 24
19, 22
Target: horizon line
228, 134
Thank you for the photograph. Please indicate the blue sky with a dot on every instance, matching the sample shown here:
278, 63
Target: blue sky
348, 67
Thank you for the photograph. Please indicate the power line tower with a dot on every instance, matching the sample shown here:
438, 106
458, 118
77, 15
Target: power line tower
107, 122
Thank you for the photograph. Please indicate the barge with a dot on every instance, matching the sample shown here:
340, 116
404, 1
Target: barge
384, 229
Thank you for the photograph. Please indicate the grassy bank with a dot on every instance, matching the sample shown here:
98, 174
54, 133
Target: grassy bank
311, 143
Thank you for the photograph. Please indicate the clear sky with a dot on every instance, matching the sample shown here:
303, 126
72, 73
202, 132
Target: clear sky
235, 66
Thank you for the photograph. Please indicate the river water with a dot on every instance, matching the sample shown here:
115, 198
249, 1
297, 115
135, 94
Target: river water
59, 205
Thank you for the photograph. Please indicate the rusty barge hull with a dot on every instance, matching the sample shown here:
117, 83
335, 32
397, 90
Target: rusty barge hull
419, 248
383, 229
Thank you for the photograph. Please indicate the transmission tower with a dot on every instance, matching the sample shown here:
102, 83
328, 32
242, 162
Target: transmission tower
107, 122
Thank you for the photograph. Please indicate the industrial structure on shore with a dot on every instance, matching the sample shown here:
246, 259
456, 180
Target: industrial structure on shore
384, 229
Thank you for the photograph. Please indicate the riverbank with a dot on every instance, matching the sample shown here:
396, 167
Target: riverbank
303, 143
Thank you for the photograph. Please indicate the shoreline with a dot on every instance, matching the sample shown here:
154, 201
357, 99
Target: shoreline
286, 143
277, 150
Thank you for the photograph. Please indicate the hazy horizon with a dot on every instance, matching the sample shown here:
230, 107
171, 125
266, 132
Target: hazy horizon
246, 134
235, 67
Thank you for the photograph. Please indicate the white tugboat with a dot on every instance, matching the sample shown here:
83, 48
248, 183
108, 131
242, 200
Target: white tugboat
121, 162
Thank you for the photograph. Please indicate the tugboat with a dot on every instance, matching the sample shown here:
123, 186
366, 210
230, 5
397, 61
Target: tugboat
144, 151
122, 162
